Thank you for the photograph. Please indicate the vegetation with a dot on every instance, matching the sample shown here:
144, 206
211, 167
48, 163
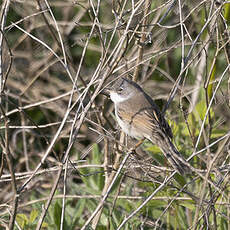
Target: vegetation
64, 164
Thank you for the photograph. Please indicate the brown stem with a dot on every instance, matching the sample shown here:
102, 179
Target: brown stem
142, 41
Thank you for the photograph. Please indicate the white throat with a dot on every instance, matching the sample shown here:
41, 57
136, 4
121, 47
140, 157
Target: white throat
116, 98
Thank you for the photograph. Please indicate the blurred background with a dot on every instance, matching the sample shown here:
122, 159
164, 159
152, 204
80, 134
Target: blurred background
64, 164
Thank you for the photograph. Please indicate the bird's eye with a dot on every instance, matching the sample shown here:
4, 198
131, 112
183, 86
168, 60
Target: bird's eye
121, 88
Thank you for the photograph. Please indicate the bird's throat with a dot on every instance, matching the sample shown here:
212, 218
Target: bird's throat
116, 98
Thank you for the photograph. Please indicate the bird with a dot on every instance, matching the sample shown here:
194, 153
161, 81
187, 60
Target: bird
139, 117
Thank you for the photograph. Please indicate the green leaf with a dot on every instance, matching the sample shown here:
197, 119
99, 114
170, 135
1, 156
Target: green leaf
104, 218
200, 110
95, 181
174, 126
154, 151
57, 215
196, 117
227, 12
45, 225
33, 215
210, 85
154, 208
22, 220
80, 207
89, 227
190, 204
117, 217
180, 179
112, 223
96, 154
217, 133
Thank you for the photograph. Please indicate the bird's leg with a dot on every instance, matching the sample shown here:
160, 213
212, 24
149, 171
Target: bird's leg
139, 143
133, 150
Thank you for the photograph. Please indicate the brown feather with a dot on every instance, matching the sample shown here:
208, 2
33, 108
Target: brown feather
143, 119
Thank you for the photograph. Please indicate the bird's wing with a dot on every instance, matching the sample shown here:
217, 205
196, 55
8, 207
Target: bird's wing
157, 117
154, 112
146, 120
162, 122
141, 120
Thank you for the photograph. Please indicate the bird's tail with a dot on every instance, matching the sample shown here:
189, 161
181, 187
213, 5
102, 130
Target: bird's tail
173, 156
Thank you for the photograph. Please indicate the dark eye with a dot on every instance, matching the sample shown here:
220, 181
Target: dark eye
120, 89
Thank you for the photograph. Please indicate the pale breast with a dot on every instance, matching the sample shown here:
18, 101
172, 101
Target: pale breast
128, 128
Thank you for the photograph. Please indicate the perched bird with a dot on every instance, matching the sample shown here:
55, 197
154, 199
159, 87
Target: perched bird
140, 117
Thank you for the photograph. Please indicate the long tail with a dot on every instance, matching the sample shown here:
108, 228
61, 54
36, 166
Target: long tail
173, 155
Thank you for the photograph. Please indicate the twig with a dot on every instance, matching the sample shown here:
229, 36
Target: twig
4, 11
186, 62
7, 153
166, 181
45, 209
100, 205
142, 40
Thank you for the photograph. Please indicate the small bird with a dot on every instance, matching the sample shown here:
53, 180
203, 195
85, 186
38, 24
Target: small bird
140, 117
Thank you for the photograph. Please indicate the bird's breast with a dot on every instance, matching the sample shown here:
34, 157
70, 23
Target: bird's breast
128, 128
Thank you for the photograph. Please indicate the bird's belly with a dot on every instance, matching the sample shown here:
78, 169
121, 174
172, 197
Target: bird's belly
129, 129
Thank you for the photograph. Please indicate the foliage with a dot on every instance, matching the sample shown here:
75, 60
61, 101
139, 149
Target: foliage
63, 156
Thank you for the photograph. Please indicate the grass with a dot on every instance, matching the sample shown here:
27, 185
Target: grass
64, 164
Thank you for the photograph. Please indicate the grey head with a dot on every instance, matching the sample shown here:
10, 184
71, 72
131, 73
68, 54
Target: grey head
124, 89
